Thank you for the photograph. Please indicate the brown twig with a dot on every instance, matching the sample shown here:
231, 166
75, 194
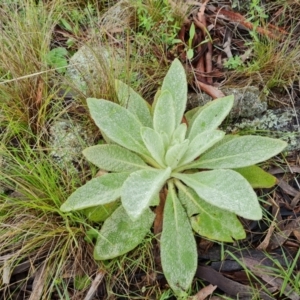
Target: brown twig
209, 89
205, 64
159, 211
238, 18
93, 288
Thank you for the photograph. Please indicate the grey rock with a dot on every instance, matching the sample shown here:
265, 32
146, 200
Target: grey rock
277, 123
67, 140
119, 17
92, 66
248, 101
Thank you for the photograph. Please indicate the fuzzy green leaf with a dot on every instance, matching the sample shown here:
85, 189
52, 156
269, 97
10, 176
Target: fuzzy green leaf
189, 115
154, 143
210, 116
208, 220
240, 152
140, 188
98, 191
257, 177
190, 53
57, 58
175, 153
118, 124
164, 114
132, 101
200, 144
218, 225
179, 134
166, 139
82, 282
119, 234
225, 189
102, 212
156, 96
113, 158
175, 82
178, 246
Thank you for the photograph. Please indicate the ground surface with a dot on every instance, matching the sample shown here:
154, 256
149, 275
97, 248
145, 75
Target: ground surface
44, 254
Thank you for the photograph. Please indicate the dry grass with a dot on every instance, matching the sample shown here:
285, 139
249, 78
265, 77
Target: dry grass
26, 86
39, 245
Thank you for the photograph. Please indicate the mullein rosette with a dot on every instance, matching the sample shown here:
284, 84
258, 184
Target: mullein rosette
210, 176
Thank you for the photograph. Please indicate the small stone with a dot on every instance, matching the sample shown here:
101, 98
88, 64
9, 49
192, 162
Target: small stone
276, 123
90, 66
248, 101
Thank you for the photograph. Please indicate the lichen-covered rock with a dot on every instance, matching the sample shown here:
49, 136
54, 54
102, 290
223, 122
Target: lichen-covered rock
119, 17
248, 101
278, 123
91, 66
67, 140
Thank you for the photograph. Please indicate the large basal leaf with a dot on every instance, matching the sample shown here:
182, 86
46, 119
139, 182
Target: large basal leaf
140, 188
218, 225
132, 101
178, 247
175, 153
211, 116
175, 82
164, 114
102, 212
240, 152
225, 189
113, 158
210, 221
187, 199
119, 234
154, 143
257, 177
117, 123
200, 144
98, 191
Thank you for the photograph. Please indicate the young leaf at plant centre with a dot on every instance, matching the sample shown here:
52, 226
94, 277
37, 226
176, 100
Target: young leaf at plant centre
154, 149
175, 82
200, 144
154, 143
179, 134
175, 153
164, 120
